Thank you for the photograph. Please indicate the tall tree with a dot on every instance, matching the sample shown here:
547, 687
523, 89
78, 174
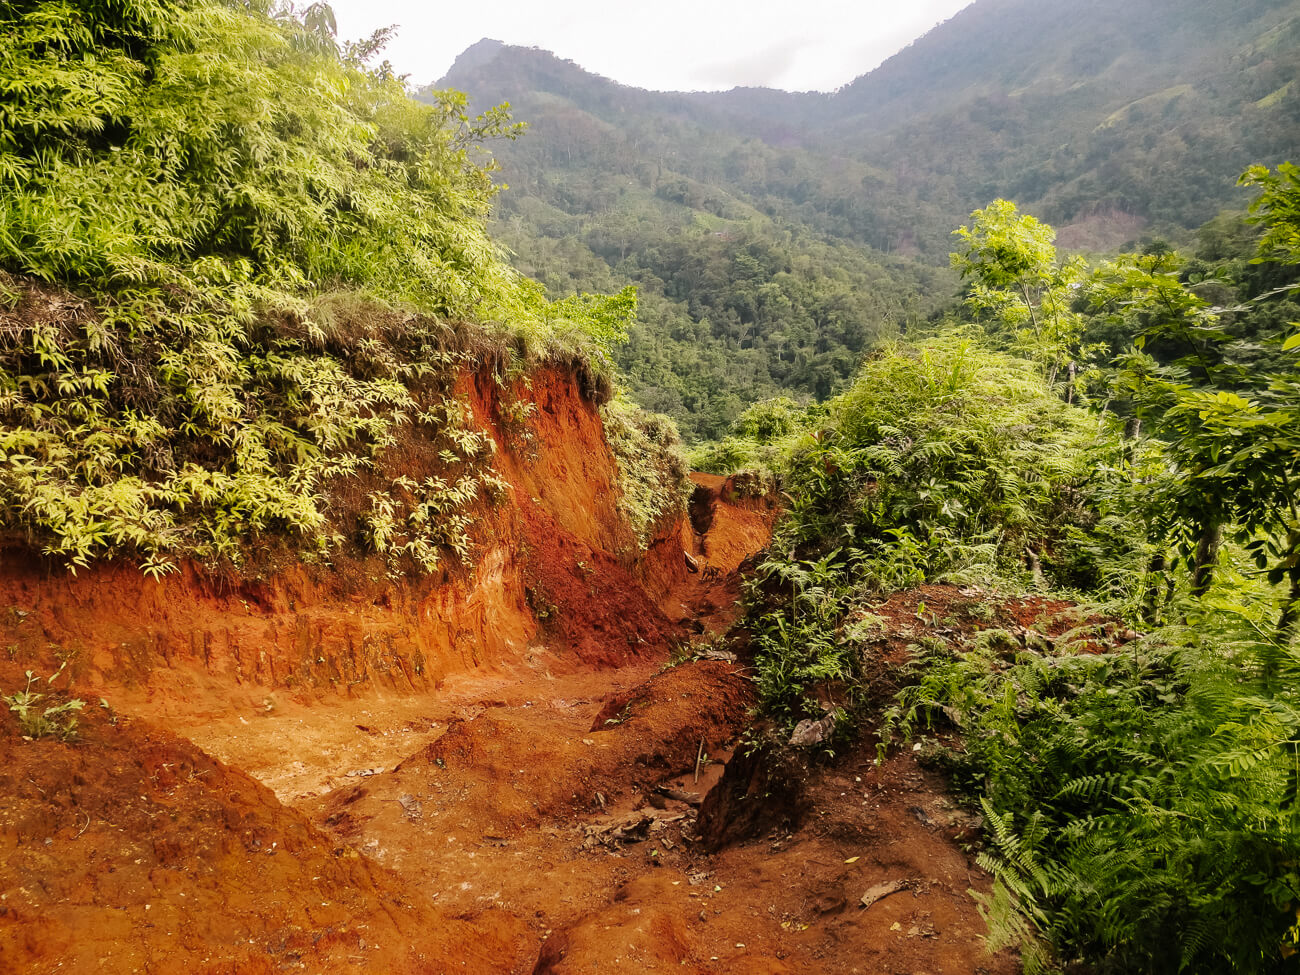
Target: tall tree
1019, 283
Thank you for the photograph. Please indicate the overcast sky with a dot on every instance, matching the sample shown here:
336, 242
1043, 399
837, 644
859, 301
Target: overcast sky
668, 45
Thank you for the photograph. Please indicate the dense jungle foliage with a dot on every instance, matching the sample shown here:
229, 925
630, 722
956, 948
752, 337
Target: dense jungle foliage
236, 266
776, 236
1126, 436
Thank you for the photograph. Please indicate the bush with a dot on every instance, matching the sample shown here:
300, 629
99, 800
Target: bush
942, 461
267, 253
653, 476
1141, 802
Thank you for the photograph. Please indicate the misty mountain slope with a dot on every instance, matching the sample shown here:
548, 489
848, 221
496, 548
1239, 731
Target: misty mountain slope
1149, 109
1054, 47
1110, 119
613, 185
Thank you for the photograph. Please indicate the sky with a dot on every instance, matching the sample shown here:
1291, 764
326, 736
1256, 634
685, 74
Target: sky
666, 45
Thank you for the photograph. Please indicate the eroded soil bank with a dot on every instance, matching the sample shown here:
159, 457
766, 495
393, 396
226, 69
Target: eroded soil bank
499, 771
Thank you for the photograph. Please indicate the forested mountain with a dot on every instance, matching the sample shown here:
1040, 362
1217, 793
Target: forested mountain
775, 236
614, 185
1143, 110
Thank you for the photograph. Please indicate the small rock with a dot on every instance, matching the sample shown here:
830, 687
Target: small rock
413, 807
810, 732
678, 795
829, 903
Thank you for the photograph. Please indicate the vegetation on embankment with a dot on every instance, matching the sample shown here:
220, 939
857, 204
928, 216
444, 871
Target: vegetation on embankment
1120, 438
236, 267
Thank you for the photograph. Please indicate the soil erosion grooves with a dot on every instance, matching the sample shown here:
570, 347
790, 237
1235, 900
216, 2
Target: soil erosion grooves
285, 779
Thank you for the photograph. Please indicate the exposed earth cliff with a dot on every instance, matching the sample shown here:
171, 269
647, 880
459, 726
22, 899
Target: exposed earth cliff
488, 770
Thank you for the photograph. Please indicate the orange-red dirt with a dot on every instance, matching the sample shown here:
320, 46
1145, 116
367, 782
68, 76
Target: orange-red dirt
494, 771
131, 850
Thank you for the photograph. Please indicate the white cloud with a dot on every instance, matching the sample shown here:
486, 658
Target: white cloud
666, 44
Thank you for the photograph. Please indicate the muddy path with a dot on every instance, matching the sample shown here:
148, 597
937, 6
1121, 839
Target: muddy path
540, 817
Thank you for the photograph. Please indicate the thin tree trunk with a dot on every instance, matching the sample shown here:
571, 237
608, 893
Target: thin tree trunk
1132, 430
1029, 305
1151, 597
1036, 567
1207, 553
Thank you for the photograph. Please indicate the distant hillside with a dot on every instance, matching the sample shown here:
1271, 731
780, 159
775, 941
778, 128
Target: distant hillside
614, 185
1111, 119
1149, 109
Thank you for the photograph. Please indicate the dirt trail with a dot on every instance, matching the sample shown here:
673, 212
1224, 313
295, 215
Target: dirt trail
535, 816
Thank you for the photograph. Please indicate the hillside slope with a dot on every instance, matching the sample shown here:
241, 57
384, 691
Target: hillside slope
978, 106
295, 465
1151, 109
1111, 120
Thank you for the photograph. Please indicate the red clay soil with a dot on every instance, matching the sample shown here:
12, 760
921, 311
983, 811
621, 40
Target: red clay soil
587, 598
730, 525
558, 457
130, 850
494, 772
491, 845
554, 564
516, 766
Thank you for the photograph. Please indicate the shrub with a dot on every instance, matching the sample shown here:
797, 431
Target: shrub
942, 461
266, 253
653, 476
54, 720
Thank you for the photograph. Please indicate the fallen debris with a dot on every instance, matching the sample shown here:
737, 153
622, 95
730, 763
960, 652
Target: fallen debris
813, 732
631, 828
413, 807
724, 655
690, 798
880, 891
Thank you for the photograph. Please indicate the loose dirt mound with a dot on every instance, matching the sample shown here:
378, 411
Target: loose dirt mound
128, 849
510, 767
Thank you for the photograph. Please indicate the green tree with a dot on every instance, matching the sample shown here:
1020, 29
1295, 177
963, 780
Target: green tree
1232, 438
1019, 283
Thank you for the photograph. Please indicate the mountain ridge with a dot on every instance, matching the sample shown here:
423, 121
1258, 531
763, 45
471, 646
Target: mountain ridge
1113, 121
